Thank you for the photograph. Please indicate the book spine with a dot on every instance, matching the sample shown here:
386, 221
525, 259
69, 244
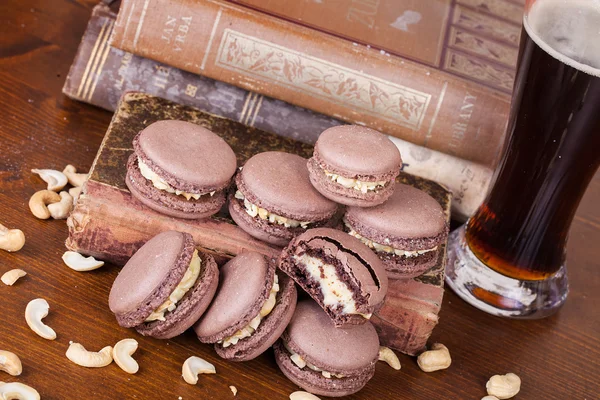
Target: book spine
311, 69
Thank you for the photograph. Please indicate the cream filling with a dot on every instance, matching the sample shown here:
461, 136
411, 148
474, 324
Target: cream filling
301, 363
161, 184
363, 186
388, 249
252, 326
253, 210
335, 292
189, 279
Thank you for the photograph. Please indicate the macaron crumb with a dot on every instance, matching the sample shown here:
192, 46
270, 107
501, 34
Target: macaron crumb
233, 390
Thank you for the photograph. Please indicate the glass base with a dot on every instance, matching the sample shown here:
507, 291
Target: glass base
498, 294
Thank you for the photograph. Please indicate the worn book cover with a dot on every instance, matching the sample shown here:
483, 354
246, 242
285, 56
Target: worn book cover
110, 224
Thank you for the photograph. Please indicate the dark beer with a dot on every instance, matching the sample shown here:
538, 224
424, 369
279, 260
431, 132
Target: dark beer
553, 144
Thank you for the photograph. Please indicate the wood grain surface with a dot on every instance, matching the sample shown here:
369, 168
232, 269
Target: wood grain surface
556, 358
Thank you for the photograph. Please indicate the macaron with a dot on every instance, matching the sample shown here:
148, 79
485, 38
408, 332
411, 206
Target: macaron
323, 359
339, 272
165, 287
354, 165
275, 200
180, 169
252, 307
405, 232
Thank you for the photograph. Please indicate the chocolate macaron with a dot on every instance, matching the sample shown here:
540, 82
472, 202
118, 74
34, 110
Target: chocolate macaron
275, 200
323, 359
180, 169
252, 307
339, 272
354, 165
405, 232
165, 287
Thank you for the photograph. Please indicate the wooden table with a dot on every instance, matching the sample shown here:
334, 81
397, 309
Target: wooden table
556, 358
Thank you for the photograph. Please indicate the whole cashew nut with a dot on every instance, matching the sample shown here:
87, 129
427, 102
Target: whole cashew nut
35, 311
61, 209
194, 366
10, 277
10, 363
386, 354
18, 391
39, 201
299, 395
74, 178
503, 386
79, 263
11, 239
435, 359
80, 356
122, 355
56, 180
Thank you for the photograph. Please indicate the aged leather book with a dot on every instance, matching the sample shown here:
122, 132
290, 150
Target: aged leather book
108, 223
458, 105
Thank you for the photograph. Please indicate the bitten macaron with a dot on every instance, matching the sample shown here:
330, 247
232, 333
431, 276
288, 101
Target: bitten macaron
354, 165
180, 169
405, 232
165, 287
323, 359
275, 200
339, 272
252, 307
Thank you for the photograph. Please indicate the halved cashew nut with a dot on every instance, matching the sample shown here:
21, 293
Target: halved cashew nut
56, 180
35, 311
10, 277
80, 356
490, 398
18, 391
75, 192
503, 386
386, 354
122, 355
233, 390
11, 239
80, 263
194, 366
299, 395
435, 359
39, 201
10, 363
61, 209
74, 178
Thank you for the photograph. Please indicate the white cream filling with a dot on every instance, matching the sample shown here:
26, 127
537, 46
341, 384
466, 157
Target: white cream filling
189, 279
363, 186
161, 184
388, 249
301, 363
252, 326
335, 292
253, 210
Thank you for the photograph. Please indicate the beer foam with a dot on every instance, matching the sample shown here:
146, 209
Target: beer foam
568, 30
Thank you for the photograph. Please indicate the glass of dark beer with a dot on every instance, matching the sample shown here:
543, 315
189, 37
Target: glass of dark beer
509, 258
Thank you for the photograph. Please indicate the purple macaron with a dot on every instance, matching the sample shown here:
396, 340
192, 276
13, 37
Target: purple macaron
323, 359
405, 232
165, 287
354, 165
180, 169
275, 200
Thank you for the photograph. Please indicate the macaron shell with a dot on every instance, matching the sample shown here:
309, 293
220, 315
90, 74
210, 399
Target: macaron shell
190, 308
401, 267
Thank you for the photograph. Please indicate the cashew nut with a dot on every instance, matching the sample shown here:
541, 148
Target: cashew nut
39, 200
11, 239
18, 391
80, 356
386, 354
503, 386
56, 180
74, 178
35, 311
10, 277
490, 398
80, 263
61, 209
122, 355
303, 396
194, 366
75, 192
435, 359
233, 390
10, 363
